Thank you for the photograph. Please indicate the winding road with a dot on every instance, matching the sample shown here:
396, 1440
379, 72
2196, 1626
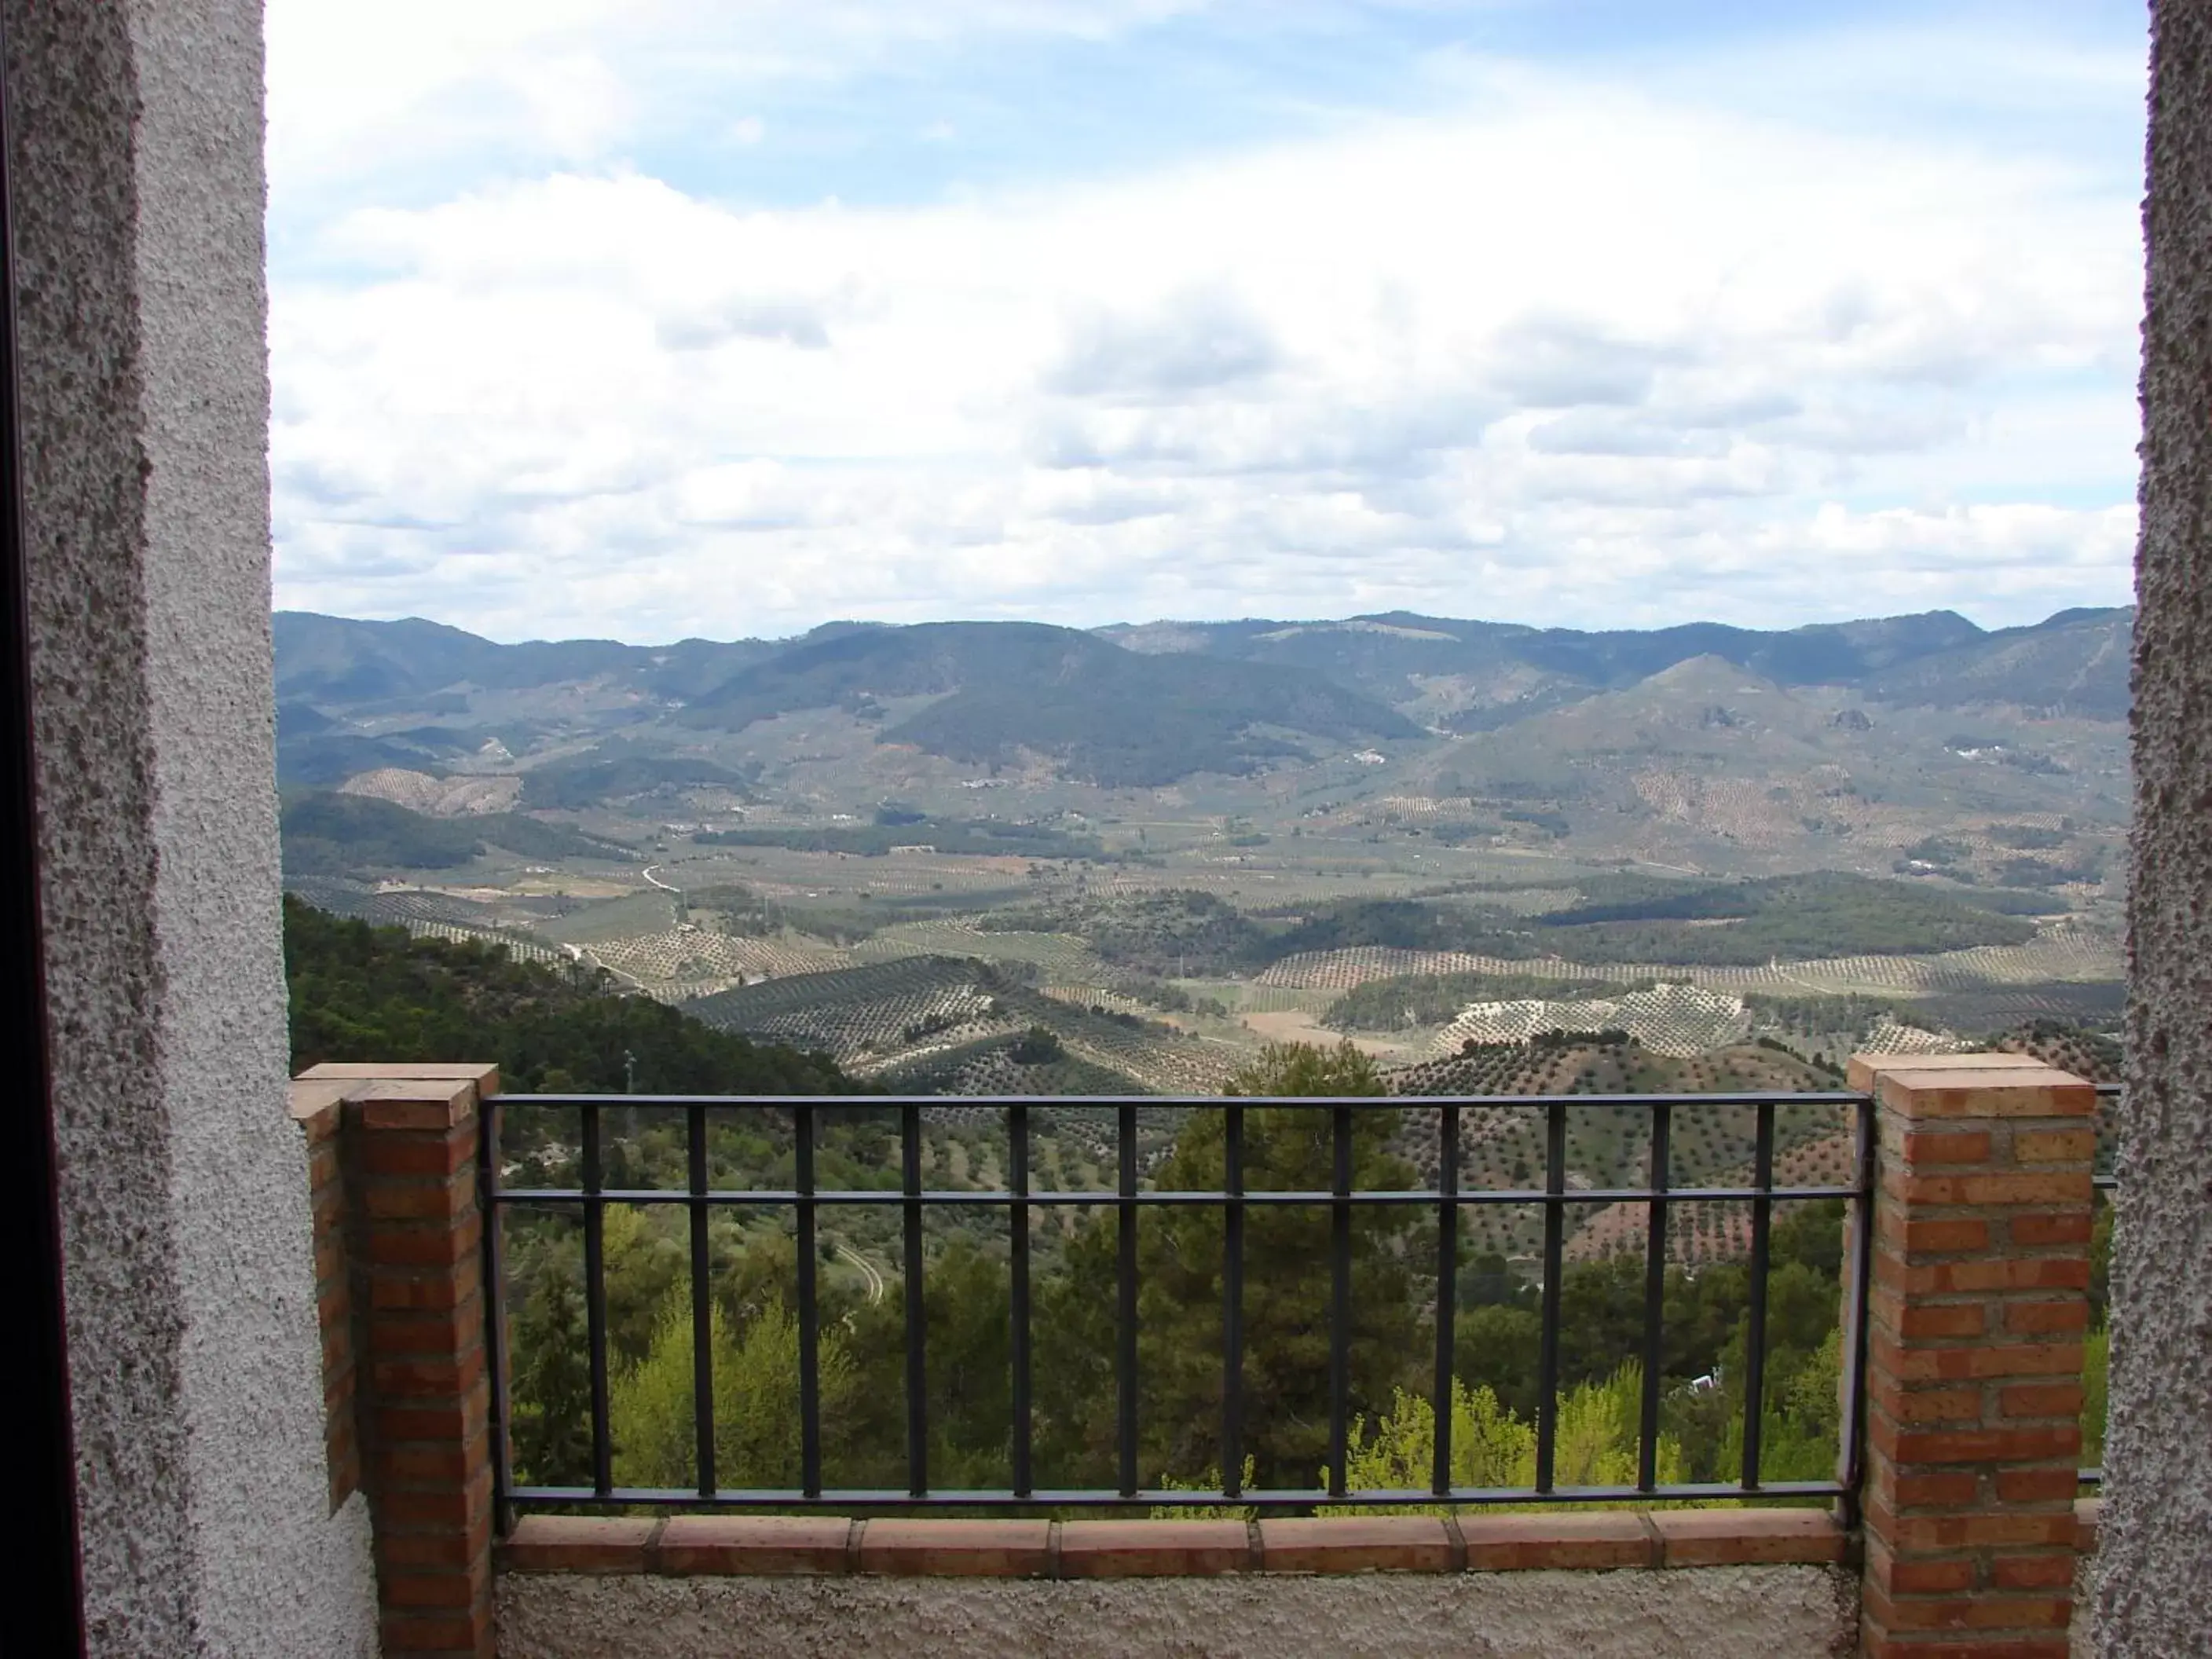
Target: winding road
868, 1271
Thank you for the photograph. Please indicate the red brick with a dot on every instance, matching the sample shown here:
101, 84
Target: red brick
2033, 1571
1934, 1364
1598, 1539
439, 1332
994, 1549
484, 1075
2041, 1400
434, 1419
392, 1290
1968, 1147
318, 1111
2054, 1145
1918, 1096
1719, 1538
1877, 1643
1980, 1277
1926, 1533
399, 1379
1919, 1405
458, 1589
391, 1154
454, 1548
2040, 1228
577, 1543
427, 1106
403, 1634
2040, 1318
402, 1245
1951, 1489
754, 1546
1984, 1611
1925, 1578
2061, 1484
447, 1505
1153, 1549
418, 1462
1340, 1544
1937, 1238
1940, 1319
1987, 1189
443, 1200
1985, 1445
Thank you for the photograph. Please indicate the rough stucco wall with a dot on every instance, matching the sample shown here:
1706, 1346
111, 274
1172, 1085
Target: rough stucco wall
71, 91
2156, 1539
1710, 1613
136, 175
277, 1574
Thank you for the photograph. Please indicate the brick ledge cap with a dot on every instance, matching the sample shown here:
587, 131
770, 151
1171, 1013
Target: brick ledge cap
1586, 1540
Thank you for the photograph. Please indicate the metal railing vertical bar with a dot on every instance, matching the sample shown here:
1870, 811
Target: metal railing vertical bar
702, 1302
1447, 1293
645, 1171
1339, 1297
1754, 1338
1125, 1210
1232, 1300
1850, 1457
495, 1306
1018, 1297
810, 1303
1548, 1350
595, 1301
1654, 1300
917, 1307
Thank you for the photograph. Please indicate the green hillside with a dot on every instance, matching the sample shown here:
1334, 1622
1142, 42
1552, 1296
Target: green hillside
367, 994
326, 833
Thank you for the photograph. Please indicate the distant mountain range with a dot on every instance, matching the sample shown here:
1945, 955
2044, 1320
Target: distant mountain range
1480, 675
1131, 705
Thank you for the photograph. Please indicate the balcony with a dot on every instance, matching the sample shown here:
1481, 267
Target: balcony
1950, 1510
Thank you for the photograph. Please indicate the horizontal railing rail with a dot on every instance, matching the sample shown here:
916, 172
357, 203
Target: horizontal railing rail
1125, 1200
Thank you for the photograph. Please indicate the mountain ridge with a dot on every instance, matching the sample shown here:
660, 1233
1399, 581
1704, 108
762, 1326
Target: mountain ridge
1144, 705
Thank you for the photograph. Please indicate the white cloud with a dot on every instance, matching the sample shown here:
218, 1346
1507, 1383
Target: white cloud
1561, 352
354, 90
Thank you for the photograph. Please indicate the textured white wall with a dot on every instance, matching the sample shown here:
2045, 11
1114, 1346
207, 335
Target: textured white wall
1701, 1613
2156, 1550
194, 1361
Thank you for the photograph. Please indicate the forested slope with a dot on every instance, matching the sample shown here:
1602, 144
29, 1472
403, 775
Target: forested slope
360, 992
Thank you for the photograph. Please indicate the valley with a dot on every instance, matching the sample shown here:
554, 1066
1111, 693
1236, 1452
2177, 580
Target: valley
1170, 846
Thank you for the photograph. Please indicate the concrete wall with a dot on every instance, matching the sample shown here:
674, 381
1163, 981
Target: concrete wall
2156, 1547
1695, 1613
137, 183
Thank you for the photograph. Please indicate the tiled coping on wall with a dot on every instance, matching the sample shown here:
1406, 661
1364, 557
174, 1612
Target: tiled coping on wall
692, 1545
778, 1546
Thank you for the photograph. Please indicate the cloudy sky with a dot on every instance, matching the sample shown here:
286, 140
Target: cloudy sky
657, 318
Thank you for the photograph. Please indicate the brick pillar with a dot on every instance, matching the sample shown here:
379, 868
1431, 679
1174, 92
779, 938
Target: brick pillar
1981, 1266
403, 1219
319, 1109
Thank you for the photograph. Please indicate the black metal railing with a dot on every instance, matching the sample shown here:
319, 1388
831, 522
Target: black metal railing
2108, 1100
805, 1201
